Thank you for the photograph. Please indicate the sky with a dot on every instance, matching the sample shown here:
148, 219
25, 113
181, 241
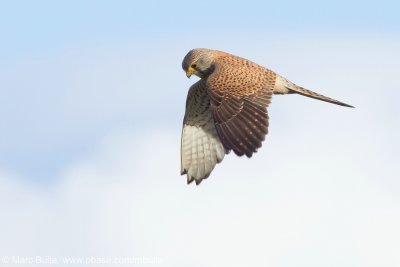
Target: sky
91, 108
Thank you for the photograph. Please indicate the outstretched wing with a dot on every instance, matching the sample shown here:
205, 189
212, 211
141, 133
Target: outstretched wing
201, 148
240, 93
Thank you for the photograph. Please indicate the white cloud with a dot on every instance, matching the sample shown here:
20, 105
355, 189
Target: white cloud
277, 209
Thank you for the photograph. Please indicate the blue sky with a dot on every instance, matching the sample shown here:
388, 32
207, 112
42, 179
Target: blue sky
37, 28
43, 33
92, 103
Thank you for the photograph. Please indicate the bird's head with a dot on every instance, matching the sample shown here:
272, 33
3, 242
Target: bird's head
199, 62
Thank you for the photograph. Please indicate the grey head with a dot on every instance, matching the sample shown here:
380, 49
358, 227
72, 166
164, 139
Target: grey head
198, 61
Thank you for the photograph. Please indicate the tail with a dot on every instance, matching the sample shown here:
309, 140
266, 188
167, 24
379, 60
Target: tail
301, 91
285, 86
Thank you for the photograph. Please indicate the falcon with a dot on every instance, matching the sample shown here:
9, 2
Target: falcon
227, 109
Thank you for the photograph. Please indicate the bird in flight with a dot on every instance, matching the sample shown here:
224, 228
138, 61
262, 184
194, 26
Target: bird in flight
227, 109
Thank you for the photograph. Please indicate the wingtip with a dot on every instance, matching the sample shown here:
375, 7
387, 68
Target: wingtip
190, 180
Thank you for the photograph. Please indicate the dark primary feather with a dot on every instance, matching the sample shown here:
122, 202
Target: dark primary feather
240, 93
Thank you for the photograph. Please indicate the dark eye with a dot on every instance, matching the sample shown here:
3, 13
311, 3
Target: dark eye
194, 66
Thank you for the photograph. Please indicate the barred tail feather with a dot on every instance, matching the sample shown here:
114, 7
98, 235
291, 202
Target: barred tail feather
284, 86
302, 91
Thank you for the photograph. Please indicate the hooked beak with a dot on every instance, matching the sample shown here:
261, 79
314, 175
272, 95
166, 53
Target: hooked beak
189, 72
